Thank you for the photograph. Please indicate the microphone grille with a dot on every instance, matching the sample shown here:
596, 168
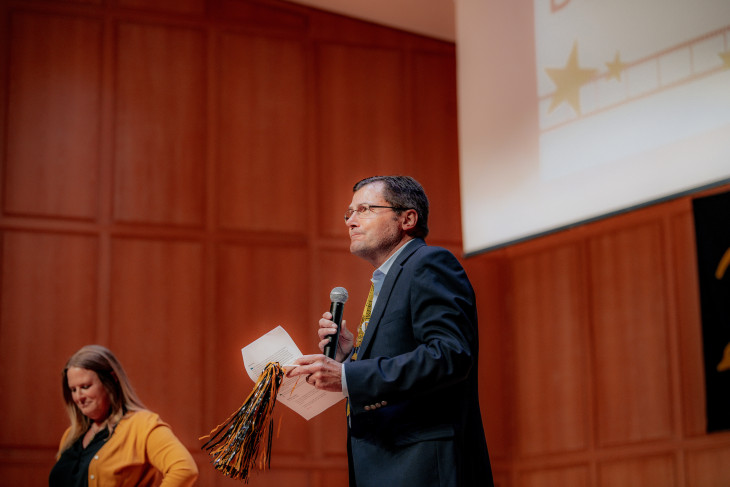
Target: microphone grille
338, 295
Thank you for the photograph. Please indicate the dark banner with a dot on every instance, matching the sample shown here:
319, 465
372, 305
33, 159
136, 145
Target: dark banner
712, 229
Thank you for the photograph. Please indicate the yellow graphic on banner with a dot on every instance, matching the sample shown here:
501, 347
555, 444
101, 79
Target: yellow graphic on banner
569, 80
725, 56
719, 274
615, 67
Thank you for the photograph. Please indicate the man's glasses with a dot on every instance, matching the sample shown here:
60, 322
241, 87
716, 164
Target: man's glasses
366, 211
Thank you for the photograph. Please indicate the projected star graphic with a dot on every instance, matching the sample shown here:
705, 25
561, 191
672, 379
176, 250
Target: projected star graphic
725, 56
615, 67
568, 81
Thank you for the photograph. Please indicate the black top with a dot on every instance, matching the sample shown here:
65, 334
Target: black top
72, 469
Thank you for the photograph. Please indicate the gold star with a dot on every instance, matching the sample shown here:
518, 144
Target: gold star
615, 67
725, 58
568, 81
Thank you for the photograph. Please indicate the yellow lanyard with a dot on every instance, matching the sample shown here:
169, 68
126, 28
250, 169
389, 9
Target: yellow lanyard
364, 321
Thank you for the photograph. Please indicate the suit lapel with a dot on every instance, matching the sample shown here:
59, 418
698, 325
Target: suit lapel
385, 294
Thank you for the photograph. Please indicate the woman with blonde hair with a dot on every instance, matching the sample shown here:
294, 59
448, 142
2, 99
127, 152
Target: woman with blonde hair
113, 439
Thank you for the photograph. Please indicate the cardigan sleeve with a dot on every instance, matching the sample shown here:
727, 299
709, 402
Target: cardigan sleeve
168, 455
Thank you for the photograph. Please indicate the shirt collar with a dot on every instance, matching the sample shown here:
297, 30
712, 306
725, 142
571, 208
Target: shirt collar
380, 272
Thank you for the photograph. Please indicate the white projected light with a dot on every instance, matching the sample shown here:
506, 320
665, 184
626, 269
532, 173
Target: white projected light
612, 105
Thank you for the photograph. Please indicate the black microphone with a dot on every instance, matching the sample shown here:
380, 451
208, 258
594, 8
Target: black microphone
338, 296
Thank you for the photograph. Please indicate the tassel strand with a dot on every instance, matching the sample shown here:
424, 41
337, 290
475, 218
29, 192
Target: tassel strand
234, 446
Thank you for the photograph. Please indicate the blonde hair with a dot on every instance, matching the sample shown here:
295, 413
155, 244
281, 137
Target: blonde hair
122, 397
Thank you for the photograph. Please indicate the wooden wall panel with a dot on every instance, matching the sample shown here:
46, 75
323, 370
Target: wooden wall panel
177, 6
708, 467
23, 472
435, 164
630, 337
276, 477
489, 276
330, 27
87, 2
573, 476
257, 289
689, 329
267, 15
262, 132
361, 130
160, 125
550, 345
652, 471
335, 478
53, 118
156, 307
48, 308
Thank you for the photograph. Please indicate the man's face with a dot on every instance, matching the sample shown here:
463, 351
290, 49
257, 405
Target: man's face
375, 234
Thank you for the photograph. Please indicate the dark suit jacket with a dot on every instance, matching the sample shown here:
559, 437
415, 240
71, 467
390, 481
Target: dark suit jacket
415, 418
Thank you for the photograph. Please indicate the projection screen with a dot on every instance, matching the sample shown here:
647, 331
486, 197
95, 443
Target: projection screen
574, 110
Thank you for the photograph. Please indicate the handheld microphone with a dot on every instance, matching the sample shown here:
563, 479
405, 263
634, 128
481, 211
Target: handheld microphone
338, 296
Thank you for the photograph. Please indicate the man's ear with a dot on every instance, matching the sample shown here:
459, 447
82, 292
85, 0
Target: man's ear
410, 218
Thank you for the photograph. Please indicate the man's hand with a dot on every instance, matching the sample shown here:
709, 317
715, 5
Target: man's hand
320, 371
327, 327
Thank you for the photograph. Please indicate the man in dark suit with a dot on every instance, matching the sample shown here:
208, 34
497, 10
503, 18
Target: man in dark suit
411, 374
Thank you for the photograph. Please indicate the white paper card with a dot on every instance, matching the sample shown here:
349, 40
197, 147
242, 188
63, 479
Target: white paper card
294, 392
